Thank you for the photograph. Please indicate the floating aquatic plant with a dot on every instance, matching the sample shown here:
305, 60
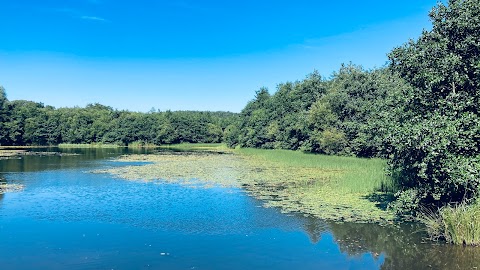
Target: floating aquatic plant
309, 189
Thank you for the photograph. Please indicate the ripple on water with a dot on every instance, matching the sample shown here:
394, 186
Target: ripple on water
73, 195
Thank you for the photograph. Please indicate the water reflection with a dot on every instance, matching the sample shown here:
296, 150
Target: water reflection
2, 182
72, 158
404, 246
315, 228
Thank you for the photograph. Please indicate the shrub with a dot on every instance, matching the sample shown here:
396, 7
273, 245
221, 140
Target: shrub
406, 204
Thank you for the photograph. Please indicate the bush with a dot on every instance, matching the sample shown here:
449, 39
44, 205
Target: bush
406, 204
436, 139
438, 158
332, 141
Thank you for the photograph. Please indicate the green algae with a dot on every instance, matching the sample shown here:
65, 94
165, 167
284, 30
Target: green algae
321, 190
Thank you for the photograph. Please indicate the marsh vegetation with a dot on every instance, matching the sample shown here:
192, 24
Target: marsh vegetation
458, 224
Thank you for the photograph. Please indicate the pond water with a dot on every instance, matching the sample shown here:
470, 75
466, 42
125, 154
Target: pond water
69, 218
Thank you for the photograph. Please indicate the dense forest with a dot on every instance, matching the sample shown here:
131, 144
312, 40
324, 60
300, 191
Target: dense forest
420, 111
30, 123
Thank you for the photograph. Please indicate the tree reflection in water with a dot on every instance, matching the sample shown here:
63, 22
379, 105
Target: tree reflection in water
314, 229
404, 247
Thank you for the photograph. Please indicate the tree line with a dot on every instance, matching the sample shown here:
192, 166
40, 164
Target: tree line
31, 123
420, 111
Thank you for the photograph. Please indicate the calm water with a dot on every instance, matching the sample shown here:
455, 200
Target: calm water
69, 218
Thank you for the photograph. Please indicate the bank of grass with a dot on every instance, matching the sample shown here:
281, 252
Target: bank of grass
88, 145
458, 224
350, 174
140, 144
328, 187
196, 147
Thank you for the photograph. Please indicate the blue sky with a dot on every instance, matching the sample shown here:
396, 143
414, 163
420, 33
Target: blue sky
189, 55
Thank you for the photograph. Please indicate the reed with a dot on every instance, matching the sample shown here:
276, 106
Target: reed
459, 224
352, 174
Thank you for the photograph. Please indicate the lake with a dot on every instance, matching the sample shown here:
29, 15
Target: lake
67, 217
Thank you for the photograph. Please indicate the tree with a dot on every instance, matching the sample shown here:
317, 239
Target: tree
3, 116
280, 120
436, 145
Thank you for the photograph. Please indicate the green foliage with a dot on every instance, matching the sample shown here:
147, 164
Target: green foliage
436, 138
231, 135
331, 141
357, 99
30, 123
280, 120
338, 116
23, 119
444, 62
321, 116
3, 116
406, 204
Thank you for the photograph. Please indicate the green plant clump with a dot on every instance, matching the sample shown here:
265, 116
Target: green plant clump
459, 224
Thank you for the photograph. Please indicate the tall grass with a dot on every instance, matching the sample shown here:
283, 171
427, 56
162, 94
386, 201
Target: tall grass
196, 146
458, 224
351, 174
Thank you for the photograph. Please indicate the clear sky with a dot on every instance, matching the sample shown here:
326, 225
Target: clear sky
189, 55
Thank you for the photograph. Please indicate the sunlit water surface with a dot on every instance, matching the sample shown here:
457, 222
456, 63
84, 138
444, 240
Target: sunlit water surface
69, 218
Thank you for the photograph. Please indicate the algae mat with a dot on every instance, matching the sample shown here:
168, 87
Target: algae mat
307, 190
